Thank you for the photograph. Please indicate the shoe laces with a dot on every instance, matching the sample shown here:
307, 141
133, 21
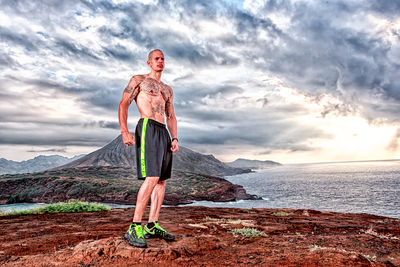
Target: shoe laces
139, 231
156, 225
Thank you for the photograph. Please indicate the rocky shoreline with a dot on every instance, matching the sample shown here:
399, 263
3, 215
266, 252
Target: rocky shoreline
204, 237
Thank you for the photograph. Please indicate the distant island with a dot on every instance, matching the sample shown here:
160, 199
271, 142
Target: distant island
252, 164
37, 164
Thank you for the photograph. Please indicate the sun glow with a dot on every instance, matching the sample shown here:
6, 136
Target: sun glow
347, 135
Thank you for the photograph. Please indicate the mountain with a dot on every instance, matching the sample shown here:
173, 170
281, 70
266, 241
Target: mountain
117, 154
252, 164
36, 164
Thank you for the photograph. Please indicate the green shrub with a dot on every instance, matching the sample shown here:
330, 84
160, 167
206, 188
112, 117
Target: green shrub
27, 194
111, 188
62, 207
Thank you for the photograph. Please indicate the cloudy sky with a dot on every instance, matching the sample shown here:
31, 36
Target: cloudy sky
290, 81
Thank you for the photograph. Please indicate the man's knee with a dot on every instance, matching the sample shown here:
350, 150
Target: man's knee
150, 182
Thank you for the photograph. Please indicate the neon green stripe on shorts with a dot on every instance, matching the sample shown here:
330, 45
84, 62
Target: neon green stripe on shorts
142, 148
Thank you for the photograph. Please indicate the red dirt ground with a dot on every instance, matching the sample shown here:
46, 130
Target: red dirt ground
295, 238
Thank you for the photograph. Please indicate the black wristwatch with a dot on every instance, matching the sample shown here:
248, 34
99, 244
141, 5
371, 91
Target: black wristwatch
174, 139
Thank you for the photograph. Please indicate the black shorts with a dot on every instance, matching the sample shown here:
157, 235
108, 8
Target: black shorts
153, 150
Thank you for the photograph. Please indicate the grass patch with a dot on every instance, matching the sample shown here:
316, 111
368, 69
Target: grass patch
248, 232
282, 213
62, 207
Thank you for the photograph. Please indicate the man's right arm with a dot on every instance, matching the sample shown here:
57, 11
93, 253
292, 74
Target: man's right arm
130, 93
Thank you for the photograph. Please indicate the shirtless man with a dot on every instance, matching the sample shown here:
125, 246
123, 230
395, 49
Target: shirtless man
154, 146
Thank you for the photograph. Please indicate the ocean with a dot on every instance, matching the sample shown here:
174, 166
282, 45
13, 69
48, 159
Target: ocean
357, 187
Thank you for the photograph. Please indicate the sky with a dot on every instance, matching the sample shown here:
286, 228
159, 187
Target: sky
289, 81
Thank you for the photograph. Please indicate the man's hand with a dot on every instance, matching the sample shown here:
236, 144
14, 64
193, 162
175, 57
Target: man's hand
174, 146
128, 139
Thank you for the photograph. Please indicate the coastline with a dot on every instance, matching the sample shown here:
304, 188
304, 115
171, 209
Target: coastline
204, 237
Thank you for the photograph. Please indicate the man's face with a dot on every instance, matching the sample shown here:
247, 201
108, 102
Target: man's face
156, 62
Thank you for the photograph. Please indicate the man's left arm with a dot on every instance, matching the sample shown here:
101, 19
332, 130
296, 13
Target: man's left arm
171, 121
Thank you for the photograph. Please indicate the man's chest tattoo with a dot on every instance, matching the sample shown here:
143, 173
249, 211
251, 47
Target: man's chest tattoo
155, 88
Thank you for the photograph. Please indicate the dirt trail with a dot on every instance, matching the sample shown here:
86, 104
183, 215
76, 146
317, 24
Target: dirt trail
204, 238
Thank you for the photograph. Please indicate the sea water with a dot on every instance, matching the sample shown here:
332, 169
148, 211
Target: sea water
358, 187
20, 206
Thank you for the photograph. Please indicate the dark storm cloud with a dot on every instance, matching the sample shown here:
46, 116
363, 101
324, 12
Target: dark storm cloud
176, 45
193, 54
312, 62
23, 40
131, 29
391, 7
104, 98
69, 48
118, 52
248, 25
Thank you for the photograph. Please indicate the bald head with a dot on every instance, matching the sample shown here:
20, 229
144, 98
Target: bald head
152, 51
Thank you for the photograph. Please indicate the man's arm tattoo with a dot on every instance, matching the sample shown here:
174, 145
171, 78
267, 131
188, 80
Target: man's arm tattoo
132, 91
168, 109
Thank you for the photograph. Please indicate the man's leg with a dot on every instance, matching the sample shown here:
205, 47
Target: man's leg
143, 197
153, 229
157, 198
135, 235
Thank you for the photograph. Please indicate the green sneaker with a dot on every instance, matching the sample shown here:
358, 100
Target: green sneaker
157, 232
135, 236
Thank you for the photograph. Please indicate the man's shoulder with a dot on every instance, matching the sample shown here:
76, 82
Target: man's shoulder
138, 78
